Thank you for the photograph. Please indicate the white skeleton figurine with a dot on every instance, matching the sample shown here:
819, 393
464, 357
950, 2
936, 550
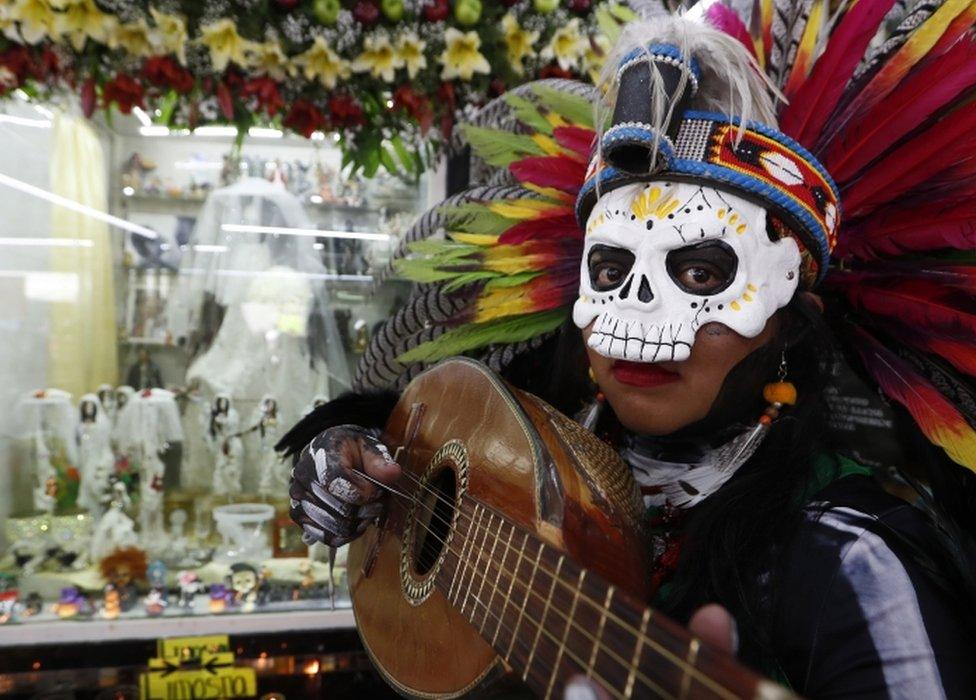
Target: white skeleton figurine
107, 401
116, 529
274, 475
52, 438
220, 433
147, 424
96, 462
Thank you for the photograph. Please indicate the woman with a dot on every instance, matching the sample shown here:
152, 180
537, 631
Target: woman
700, 232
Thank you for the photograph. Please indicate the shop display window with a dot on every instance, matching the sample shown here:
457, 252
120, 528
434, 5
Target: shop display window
172, 304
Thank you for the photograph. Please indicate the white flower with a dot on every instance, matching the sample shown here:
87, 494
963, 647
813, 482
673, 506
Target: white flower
567, 45
378, 58
518, 42
322, 63
411, 50
462, 57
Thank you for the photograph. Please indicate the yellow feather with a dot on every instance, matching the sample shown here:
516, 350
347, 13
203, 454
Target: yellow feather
548, 144
550, 192
479, 239
522, 208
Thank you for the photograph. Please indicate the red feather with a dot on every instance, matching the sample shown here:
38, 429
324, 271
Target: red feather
916, 99
727, 20
577, 139
909, 228
938, 419
804, 117
940, 273
552, 228
917, 306
913, 162
959, 355
564, 174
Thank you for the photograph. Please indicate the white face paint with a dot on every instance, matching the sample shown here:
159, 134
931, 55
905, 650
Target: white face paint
662, 259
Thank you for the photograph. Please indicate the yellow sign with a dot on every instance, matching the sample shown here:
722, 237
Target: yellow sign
191, 648
194, 668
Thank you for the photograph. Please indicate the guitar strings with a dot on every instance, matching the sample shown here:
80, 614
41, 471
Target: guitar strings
675, 660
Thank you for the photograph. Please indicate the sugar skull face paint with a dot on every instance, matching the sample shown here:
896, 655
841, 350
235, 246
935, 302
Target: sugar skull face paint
662, 259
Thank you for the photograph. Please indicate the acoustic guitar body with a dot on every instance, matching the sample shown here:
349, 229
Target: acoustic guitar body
466, 436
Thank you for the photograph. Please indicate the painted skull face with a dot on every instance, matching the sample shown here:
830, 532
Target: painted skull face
662, 259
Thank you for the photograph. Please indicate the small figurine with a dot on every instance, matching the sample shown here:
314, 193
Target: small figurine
115, 530
155, 602
8, 598
245, 585
218, 598
33, 605
112, 605
190, 585
106, 399
156, 574
96, 462
274, 473
222, 436
122, 569
72, 604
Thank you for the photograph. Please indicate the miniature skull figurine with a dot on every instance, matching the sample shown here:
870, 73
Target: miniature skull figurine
662, 259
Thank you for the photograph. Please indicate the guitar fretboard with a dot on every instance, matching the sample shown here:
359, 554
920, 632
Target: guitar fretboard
549, 619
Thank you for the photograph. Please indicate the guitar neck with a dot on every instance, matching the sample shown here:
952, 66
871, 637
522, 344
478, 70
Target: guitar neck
549, 620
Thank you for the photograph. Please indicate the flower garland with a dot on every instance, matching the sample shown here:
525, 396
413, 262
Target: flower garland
390, 77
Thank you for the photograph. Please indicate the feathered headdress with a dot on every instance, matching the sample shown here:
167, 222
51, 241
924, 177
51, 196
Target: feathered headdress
881, 96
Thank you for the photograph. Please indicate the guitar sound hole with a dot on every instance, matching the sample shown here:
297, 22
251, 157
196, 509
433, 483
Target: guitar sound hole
434, 518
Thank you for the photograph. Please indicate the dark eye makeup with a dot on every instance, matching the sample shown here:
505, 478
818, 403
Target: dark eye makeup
608, 266
703, 268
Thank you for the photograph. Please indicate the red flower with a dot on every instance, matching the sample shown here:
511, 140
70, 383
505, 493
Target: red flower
72, 474
345, 111
165, 72
554, 71
445, 95
125, 92
88, 96
18, 61
417, 106
304, 118
265, 91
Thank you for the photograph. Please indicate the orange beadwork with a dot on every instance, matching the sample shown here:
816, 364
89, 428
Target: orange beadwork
780, 392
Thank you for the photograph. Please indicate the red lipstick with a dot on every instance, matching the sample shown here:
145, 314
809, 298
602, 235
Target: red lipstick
642, 374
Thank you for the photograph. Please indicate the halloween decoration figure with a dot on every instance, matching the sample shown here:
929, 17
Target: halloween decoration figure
122, 569
72, 603
107, 401
245, 583
222, 436
53, 448
148, 425
111, 602
687, 261
273, 480
96, 462
122, 396
115, 530
155, 602
189, 584
219, 596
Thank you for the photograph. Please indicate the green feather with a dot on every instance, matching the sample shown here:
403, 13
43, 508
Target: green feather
528, 113
475, 336
498, 147
476, 218
514, 280
574, 109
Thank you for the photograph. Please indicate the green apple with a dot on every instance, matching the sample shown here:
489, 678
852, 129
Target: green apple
326, 11
392, 9
545, 6
467, 12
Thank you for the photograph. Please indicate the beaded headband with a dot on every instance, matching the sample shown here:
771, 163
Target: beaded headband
760, 163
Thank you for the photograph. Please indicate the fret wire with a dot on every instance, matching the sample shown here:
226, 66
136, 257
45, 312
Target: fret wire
693, 647
491, 560
545, 609
562, 644
522, 608
479, 549
599, 629
629, 689
511, 584
705, 680
498, 575
463, 562
663, 651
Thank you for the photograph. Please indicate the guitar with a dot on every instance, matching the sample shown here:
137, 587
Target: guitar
517, 555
